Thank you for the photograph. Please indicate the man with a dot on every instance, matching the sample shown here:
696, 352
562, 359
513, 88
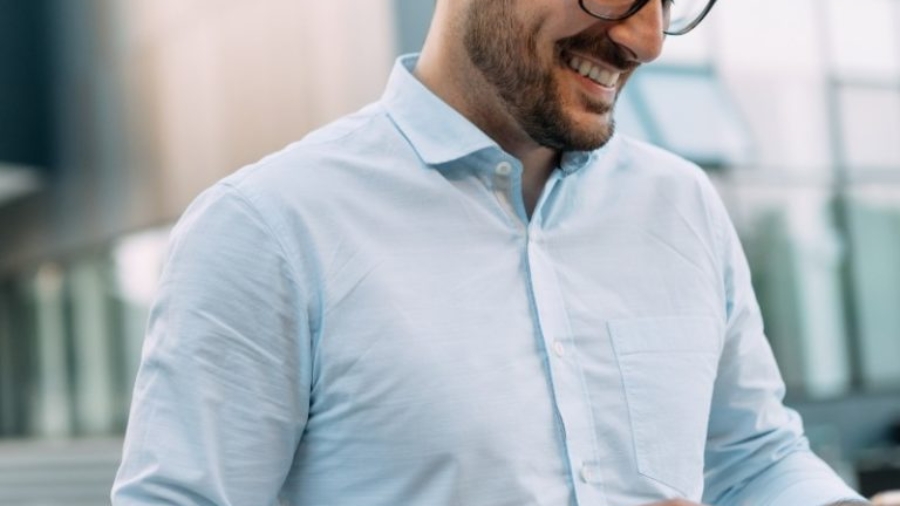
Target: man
470, 293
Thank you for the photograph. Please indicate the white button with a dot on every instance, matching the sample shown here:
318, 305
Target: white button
559, 349
588, 473
503, 169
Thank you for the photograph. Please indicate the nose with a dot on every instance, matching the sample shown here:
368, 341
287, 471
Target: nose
642, 34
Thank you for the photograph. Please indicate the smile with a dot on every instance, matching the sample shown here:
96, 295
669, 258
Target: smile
599, 75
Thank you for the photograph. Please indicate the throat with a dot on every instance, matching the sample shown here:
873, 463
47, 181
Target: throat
537, 167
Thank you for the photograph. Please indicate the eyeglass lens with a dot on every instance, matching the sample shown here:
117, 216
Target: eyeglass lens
679, 14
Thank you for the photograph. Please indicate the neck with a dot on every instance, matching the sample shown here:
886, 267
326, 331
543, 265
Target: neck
444, 67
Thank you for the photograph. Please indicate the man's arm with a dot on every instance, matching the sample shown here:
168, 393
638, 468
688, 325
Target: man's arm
682, 502
756, 452
222, 394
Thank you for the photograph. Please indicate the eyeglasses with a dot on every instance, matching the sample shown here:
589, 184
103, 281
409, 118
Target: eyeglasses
681, 16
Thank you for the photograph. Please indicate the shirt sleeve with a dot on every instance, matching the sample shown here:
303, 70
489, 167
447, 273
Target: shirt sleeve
221, 397
756, 451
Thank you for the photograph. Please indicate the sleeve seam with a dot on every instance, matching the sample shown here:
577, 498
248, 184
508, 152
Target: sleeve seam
271, 229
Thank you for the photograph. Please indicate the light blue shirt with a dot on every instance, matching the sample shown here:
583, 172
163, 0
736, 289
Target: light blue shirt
370, 318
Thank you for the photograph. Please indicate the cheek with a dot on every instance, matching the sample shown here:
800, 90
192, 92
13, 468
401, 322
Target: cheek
554, 24
568, 20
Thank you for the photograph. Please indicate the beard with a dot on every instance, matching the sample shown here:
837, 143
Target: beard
506, 53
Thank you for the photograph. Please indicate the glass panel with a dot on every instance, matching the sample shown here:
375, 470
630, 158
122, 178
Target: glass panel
770, 35
8, 407
52, 413
694, 49
629, 120
16, 359
94, 408
870, 127
863, 38
875, 228
693, 115
795, 256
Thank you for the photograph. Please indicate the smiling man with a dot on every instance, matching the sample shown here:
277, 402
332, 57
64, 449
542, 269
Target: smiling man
470, 293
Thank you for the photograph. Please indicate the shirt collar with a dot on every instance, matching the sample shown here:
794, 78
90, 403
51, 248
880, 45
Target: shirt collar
439, 133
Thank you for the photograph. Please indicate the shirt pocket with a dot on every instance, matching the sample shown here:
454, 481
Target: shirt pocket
668, 368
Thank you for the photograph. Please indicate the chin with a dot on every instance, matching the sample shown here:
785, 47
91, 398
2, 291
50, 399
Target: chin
591, 134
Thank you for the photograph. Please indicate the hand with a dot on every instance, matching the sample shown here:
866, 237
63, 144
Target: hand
887, 499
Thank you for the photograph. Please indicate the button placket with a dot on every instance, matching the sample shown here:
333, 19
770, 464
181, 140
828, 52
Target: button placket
566, 377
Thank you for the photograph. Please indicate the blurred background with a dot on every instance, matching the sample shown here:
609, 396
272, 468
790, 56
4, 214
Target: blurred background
115, 114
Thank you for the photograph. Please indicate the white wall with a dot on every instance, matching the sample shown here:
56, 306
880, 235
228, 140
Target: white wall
158, 99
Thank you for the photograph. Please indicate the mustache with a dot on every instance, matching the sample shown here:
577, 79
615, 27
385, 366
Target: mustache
601, 48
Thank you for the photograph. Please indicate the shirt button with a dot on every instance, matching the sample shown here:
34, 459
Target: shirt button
589, 473
559, 349
503, 169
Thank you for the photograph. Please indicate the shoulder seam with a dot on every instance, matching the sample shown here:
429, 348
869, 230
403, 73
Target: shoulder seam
270, 228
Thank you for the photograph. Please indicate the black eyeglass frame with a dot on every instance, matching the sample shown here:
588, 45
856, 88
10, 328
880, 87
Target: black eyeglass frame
639, 4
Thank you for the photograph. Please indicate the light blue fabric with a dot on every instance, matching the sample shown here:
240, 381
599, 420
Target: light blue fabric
369, 318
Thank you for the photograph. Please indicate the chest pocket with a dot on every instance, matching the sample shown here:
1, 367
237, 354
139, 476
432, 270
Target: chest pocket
668, 368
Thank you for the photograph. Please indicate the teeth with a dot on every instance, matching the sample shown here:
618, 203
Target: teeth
594, 73
585, 68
